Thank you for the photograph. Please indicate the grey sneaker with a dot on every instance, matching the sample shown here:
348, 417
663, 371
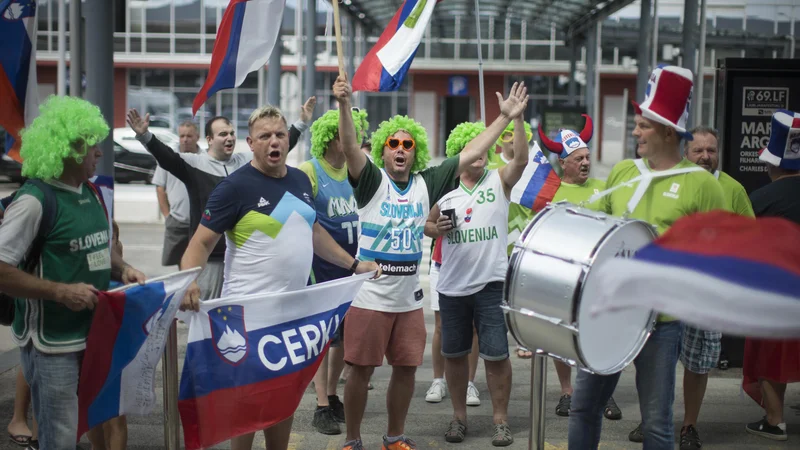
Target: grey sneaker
502, 435
324, 422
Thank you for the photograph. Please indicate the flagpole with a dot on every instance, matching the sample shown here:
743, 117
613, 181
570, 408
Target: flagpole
480, 59
337, 25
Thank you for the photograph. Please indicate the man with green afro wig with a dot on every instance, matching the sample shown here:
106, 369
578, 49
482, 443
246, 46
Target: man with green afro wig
337, 212
55, 256
394, 195
470, 223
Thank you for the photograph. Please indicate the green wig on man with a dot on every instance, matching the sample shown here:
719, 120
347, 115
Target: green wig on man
510, 128
410, 126
326, 128
461, 135
65, 128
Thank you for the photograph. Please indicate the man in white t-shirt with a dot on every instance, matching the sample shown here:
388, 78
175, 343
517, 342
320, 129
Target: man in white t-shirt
173, 200
472, 223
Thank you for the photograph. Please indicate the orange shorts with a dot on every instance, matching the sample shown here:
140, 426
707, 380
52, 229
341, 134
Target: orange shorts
371, 335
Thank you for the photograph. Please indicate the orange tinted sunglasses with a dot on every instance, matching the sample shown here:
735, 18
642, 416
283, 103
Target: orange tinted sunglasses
394, 143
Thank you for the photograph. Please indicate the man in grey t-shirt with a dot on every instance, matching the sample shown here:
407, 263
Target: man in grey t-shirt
173, 200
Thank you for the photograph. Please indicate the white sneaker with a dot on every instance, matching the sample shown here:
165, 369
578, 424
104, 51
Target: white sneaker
473, 395
437, 391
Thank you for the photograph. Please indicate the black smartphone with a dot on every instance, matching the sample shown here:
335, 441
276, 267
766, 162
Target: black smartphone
451, 214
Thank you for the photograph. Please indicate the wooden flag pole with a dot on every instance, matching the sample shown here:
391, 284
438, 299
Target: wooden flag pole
338, 27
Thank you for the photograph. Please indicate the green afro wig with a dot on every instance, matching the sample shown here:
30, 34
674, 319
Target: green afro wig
325, 129
510, 127
461, 135
412, 127
51, 138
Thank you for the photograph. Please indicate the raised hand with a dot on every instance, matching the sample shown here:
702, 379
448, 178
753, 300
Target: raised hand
137, 123
307, 111
516, 102
342, 89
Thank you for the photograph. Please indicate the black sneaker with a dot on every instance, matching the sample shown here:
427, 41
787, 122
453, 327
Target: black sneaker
562, 409
324, 422
690, 438
612, 411
337, 408
636, 435
764, 429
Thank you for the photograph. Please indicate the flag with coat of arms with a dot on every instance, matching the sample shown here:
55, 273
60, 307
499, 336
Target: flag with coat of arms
538, 184
249, 359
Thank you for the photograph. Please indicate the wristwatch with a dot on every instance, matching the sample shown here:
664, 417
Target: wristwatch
353, 267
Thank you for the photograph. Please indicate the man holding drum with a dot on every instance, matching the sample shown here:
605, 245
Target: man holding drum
471, 222
576, 187
669, 188
394, 195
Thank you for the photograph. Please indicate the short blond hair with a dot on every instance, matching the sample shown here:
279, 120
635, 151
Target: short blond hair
266, 111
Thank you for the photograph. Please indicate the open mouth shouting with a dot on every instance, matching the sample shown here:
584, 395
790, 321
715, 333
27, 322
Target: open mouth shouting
400, 160
274, 156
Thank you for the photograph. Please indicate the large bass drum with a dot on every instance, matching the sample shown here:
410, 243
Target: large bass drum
550, 284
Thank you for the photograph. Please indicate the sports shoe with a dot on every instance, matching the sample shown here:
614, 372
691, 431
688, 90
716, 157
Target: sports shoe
324, 421
473, 395
353, 445
764, 429
437, 391
636, 435
690, 438
403, 444
562, 409
337, 408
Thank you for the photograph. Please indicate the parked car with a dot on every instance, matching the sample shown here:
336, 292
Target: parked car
132, 162
11, 169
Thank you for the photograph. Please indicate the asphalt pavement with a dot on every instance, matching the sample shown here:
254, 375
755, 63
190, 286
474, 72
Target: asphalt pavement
725, 411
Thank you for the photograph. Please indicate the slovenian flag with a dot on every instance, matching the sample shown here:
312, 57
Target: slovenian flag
128, 334
386, 65
19, 98
249, 359
538, 184
717, 271
245, 38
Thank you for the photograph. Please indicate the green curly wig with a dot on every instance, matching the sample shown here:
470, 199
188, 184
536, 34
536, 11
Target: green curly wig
51, 137
412, 127
510, 127
461, 135
324, 129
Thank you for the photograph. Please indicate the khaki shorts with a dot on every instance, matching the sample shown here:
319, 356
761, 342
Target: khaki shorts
371, 335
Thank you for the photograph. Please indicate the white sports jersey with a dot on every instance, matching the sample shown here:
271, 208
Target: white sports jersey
391, 230
474, 252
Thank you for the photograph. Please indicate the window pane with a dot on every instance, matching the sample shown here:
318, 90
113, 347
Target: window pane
157, 45
187, 46
157, 17
189, 78
187, 16
156, 78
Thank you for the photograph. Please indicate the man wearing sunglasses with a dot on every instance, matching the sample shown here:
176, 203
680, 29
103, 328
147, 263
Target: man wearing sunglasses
394, 195
474, 264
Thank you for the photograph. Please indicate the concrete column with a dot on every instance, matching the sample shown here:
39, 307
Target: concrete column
61, 65
572, 87
643, 50
690, 35
100, 71
591, 66
274, 74
311, 48
75, 47
350, 49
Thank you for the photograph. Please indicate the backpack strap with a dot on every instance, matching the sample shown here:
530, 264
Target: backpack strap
49, 212
99, 196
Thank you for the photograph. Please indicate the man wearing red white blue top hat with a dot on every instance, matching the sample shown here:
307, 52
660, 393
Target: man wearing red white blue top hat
769, 365
670, 187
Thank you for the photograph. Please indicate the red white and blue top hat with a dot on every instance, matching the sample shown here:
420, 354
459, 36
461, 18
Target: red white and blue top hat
783, 149
667, 98
567, 141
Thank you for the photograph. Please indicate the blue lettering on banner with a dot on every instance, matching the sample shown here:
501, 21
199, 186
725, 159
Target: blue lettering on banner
275, 351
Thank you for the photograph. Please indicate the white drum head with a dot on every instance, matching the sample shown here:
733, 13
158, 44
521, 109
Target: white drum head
609, 342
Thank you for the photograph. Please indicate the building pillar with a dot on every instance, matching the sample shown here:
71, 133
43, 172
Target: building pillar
643, 51
75, 47
591, 76
274, 71
572, 87
350, 50
100, 71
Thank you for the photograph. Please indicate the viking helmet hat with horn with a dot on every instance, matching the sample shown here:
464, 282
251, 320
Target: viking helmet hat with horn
567, 141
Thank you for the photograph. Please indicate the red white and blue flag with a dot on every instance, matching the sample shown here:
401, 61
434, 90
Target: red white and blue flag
386, 65
717, 271
245, 38
538, 184
125, 343
19, 91
249, 359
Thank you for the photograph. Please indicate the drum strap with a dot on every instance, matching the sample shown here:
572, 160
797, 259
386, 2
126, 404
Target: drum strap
644, 182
